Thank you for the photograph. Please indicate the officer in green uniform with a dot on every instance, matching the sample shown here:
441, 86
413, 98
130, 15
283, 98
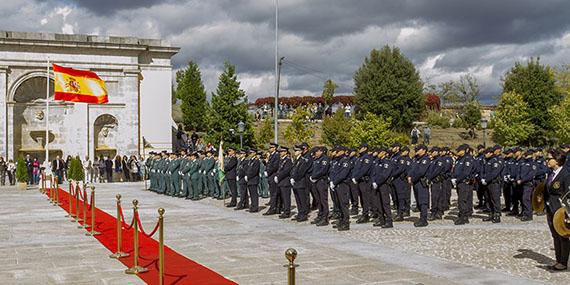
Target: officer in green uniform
174, 167
263, 187
195, 176
186, 181
182, 159
207, 171
202, 175
215, 180
163, 167
149, 164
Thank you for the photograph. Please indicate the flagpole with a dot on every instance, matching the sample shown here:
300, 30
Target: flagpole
47, 170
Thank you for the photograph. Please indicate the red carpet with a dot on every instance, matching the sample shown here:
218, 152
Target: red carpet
178, 269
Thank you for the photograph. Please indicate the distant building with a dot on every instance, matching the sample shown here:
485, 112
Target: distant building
138, 75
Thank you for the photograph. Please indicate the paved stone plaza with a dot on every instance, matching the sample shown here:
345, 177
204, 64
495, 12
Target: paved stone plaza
38, 245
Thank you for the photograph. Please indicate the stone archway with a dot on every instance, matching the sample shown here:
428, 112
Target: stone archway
105, 131
27, 113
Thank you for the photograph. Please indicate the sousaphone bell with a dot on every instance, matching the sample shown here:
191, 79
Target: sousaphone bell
538, 203
561, 220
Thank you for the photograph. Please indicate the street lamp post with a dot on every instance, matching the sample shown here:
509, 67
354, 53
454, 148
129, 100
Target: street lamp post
241, 128
484, 126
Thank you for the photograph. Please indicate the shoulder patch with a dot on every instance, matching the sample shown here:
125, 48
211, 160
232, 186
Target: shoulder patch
467, 163
495, 165
424, 161
407, 163
439, 164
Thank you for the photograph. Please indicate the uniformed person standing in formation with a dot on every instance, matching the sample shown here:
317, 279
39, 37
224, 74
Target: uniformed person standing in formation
318, 182
300, 171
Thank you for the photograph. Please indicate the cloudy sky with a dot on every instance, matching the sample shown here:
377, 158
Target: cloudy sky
321, 38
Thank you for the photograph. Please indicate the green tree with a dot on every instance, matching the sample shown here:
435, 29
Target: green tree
387, 84
374, 130
513, 125
328, 92
459, 93
299, 130
537, 85
22, 171
471, 117
560, 115
75, 170
228, 108
336, 129
265, 133
190, 90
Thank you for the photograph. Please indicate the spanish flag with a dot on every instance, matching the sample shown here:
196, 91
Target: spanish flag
79, 86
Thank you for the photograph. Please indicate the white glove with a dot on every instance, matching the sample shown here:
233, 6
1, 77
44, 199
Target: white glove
237, 178
180, 172
212, 174
374, 185
245, 178
331, 185
312, 180
354, 181
276, 179
506, 178
483, 182
454, 181
265, 173
292, 181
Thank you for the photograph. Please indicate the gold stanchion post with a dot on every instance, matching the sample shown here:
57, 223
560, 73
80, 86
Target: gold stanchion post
93, 232
77, 217
70, 198
161, 246
84, 207
57, 203
119, 253
51, 183
136, 269
291, 254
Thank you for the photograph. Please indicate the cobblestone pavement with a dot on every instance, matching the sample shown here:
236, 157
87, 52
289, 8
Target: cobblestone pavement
37, 244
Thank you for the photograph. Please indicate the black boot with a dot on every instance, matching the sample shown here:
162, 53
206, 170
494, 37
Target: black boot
387, 225
363, 219
497, 218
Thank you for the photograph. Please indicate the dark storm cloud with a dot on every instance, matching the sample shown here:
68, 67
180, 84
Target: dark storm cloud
324, 39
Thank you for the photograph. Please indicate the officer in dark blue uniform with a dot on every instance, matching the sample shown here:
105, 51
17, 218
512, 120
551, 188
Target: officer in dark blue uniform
271, 169
355, 197
361, 177
394, 155
517, 190
525, 178
491, 177
463, 178
240, 178
480, 189
508, 162
282, 178
298, 178
334, 159
230, 170
435, 177
400, 182
319, 181
448, 163
252, 179
542, 169
381, 174
339, 183
417, 178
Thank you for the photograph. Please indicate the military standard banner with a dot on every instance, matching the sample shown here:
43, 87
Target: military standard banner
79, 86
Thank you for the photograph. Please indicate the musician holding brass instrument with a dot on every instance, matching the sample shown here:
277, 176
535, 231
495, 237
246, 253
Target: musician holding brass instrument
557, 207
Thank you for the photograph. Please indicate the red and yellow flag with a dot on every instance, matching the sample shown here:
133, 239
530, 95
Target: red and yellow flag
79, 86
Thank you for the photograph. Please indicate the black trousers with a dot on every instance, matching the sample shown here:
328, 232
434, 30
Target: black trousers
254, 195
243, 197
342, 191
314, 194
494, 192
422, 201
384, 207
517, 195
394, 195
561, 244
365, 190
354, 195
527, 189
232, 184
438, 201
481, 190
464, 204
302, 200
447, 186
285, 195
404, 195
273, 194
335, 201
322, 189
508, 194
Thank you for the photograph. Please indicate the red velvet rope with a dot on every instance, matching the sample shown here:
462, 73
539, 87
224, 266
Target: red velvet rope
142, 230
123, 219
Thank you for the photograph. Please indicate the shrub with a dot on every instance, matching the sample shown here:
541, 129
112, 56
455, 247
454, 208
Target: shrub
438, 119
22, 171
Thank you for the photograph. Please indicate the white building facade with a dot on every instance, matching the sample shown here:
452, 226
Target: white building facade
138, 77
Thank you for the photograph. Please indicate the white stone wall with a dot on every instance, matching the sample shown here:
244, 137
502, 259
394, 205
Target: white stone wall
121, 68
